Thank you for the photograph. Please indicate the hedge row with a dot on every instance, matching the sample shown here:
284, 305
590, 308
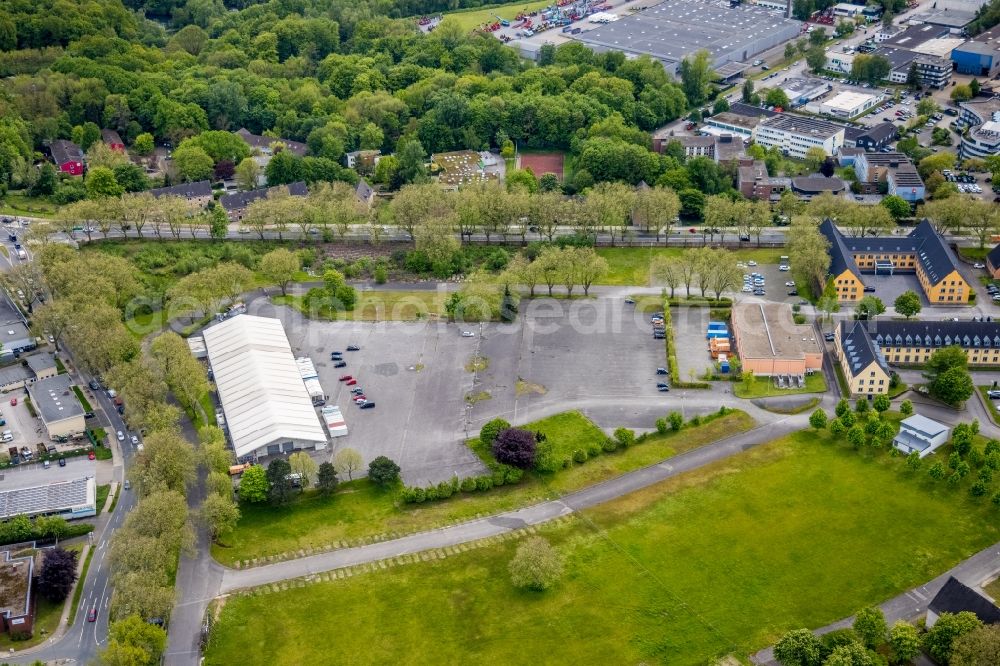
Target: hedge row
499, 475
20, 529
675, 375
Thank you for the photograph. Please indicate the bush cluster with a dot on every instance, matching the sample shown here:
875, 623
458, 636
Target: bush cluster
21, 528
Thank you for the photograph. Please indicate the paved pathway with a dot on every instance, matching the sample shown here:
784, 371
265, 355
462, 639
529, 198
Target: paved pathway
981, 567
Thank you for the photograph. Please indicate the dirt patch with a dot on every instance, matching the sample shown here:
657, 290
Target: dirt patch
477, 364
526, 388
540, 163
473, 398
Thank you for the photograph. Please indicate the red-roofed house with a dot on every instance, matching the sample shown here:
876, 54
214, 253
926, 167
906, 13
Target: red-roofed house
67, 156
112, 140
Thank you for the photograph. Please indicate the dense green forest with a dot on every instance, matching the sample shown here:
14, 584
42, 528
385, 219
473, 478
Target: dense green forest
334, 74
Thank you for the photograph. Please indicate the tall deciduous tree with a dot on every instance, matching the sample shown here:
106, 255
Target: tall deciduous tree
57, 575
347, 461
219, 514
907, 303
280, 266
536, 565
303, 465
254, 485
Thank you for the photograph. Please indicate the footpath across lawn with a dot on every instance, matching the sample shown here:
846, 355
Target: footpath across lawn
800, 532
359, 509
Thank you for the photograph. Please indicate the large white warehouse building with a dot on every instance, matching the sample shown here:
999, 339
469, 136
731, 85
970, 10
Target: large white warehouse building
267, 408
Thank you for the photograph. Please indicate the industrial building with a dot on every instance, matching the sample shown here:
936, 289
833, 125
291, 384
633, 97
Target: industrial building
980, 56
675, 29
17, 605
267, 408
770, 344
795, 135
804, 90
69, 492
848, 104
57, 406
954, 20
922, 252
864, 367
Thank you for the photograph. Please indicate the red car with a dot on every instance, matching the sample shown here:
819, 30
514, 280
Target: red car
92, 615
13, 401
346, 378
352, 382
358, 399
91, 456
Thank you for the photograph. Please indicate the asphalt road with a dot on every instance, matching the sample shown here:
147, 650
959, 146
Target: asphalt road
83, 640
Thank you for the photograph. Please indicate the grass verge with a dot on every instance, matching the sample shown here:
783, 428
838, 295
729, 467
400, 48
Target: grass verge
78, 589
360, 509
681, 566
102, 496
630, 265
83, 400
379, 306
763, 387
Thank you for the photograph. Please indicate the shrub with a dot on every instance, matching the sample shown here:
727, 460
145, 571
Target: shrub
491, 429
431, 493
498, 477
516, 447
695, 421
444, 490
468, 484
383, 472
979, 488
625, 437
419, 495
545, 460
661, 426
381, 275
610, 445
676, 421
594, 450
484, 482
513, 475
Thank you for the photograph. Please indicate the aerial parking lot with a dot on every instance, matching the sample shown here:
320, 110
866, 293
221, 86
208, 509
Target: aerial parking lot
435, 383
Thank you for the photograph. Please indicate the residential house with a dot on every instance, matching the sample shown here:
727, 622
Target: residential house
921, 435
753, 181
914, 342
112, 140
67, 156
877, 137
993, 262
57, 405
895, 170
236, 204
364, 192
955, 597
268, 145
861, 361
199, 192
922, 252
363, 161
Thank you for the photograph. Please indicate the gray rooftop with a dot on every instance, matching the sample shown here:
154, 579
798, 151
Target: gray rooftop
41, 361
916, 35
803, 125
17, 372
51, 497
54, 399
923, 425
674, 29
13, 332
952, 18
201, 188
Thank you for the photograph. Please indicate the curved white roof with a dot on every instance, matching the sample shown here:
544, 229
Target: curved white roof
259, 384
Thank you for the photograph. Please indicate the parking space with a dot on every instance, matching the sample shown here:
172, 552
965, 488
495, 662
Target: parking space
690, 325
564, 352
414, 374
27, 429
889, 287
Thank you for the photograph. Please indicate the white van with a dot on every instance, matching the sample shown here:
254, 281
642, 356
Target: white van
7, 436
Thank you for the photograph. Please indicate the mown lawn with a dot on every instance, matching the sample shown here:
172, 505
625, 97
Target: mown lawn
21, 204
566, 432
470, 20
797, 533
361, 509
630, 265
763, 387
380, 306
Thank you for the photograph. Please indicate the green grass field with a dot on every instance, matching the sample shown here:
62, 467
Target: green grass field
381, 306
764, 387
470, 20
361, 509
20, 204
567, 432
102, 496
630, 265
723, 560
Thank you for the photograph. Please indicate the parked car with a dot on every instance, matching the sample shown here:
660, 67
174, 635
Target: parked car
340, 364
978, 265
353, 348
121, 436
993, 394
135, 441
346, 378
357, 390
661, 371
62, 462
630, 301
128, 485
829, 337
662, 386
94, 385
352, 382
468, 334
91, 456
360, 400
368, 405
